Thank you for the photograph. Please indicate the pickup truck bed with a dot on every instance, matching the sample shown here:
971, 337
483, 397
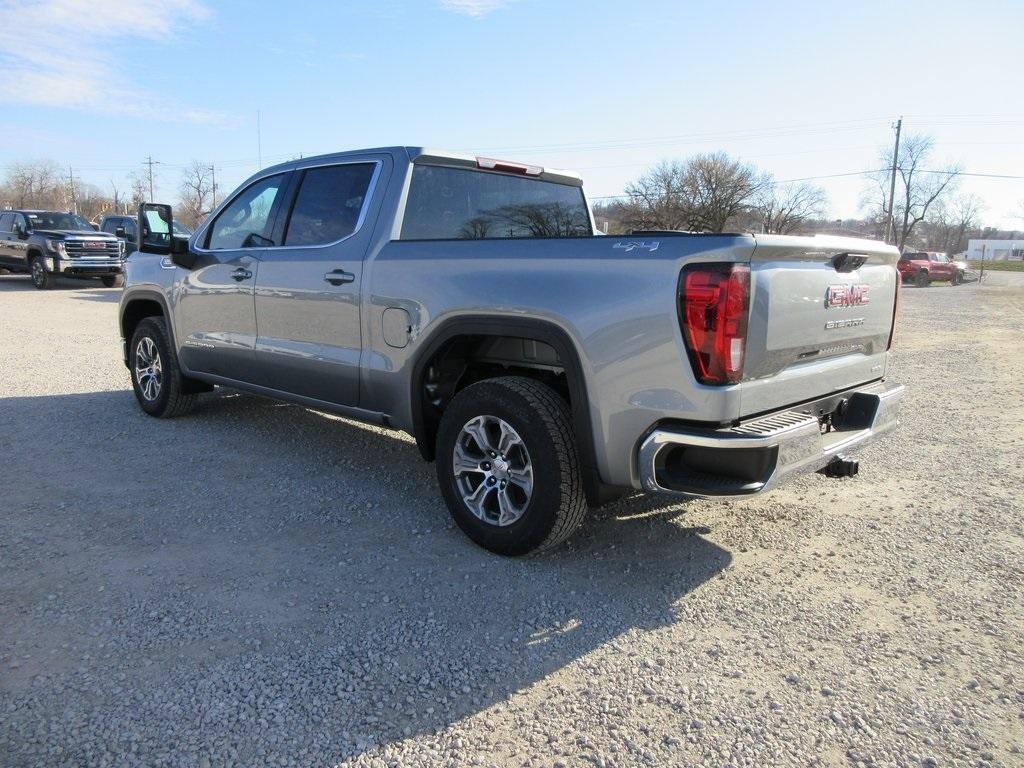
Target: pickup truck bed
470, 290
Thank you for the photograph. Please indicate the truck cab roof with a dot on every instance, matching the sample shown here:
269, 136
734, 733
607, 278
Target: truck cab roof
434, 156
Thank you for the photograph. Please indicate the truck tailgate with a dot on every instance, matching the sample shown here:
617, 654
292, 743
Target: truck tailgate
821, 318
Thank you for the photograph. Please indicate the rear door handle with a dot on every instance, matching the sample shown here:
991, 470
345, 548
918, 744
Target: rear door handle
339, 277
241, 274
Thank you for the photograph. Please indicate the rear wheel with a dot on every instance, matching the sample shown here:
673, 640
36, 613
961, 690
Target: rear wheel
157, 380
921, 279
508, 466
41, 279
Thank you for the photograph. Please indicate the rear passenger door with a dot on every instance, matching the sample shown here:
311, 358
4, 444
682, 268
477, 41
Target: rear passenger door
307, 290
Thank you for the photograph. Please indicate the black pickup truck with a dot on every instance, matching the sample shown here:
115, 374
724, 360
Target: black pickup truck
50, 243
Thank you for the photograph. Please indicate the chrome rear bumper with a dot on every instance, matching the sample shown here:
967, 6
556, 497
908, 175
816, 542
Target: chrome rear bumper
757, 455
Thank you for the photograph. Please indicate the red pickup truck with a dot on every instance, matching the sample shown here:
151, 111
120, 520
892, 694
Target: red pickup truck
921, 267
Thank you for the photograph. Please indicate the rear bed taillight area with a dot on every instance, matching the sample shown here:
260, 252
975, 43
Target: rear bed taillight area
714, 302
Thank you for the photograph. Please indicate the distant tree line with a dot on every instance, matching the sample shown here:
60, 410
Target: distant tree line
708, 192
42, 184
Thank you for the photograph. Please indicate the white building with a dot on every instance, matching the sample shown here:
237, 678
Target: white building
995, 250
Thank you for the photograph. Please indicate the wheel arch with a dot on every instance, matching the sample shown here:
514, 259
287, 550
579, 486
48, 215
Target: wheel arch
139, 306
532, 329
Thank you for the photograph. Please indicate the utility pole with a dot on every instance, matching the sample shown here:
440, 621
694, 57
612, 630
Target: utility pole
71, 182
151, 162
213, 185
892, 182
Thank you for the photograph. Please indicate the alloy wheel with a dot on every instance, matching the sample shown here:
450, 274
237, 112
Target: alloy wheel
148, 369
493, 471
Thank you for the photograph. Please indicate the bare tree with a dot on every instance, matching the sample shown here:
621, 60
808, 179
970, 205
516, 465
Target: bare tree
918, 187
657, 199
117, 202
140, 188
37, 184
719, 189
950, 221
703, 194
196, 194
785, 208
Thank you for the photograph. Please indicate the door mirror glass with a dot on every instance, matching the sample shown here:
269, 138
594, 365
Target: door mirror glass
155, 222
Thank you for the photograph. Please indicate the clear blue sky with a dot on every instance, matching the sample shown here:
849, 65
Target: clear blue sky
606, 88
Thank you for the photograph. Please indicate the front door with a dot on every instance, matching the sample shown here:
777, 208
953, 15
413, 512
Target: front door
307, 290
215, 312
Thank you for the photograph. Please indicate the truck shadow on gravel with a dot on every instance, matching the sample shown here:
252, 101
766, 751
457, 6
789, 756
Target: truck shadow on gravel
262, 583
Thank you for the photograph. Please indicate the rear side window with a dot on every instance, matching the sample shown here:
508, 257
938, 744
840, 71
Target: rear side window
243, 224
7, 222
328, 204
461, 204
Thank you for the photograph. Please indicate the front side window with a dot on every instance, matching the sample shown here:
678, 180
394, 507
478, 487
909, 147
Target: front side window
244, 223
109, 225
328, 204
462, 204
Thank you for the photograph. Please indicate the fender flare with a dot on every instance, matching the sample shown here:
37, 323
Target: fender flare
146, 295
526, 328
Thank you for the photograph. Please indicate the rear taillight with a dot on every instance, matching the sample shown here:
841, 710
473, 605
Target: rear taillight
714, 301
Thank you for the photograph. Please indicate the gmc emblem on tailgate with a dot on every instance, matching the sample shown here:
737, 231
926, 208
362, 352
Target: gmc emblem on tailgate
846, 295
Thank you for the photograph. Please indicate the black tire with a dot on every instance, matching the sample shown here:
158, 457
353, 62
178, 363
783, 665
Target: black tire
41, 279
958, 278
111, 281
921, 279
556, 506
170, 398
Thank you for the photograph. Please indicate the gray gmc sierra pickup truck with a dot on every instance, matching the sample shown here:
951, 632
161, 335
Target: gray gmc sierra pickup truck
469, 302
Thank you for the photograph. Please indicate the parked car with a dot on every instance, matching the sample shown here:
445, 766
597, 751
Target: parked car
46, 244
125, 229
922, 267
469, 302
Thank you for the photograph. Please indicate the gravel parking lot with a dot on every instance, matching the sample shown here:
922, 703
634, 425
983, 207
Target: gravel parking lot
261, 584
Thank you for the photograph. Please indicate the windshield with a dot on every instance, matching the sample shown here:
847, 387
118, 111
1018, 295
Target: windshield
54, 220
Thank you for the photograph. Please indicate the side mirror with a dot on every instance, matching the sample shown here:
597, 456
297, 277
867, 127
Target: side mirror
119, 232
155, 227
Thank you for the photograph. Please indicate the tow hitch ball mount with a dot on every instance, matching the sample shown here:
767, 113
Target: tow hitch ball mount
841, 466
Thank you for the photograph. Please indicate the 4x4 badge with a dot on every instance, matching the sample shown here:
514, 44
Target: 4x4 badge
633, 245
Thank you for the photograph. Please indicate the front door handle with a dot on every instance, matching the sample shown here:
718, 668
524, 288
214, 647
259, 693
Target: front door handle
339, 277
241, 274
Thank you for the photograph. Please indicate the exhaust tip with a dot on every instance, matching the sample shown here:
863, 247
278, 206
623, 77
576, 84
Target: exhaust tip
841, 466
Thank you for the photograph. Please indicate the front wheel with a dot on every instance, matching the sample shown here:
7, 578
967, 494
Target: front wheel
41, 279
958, 278
156, 378
111, 281
508, 466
